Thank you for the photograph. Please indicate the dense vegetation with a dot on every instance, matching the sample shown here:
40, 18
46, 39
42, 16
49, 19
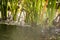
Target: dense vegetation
41, 16
36, 11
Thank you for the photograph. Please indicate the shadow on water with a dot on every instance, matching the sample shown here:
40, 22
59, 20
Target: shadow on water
12, 32
5, 31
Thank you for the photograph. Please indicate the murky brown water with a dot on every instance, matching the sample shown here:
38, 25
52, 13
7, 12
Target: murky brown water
8, 32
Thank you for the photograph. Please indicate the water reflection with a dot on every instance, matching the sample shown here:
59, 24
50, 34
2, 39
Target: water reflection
8, 32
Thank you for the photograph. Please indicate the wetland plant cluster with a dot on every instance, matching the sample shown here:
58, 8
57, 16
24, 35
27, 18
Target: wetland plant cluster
28, 11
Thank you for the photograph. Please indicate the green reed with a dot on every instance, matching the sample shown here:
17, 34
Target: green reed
14, 8
51, 10
4, 9
33, 10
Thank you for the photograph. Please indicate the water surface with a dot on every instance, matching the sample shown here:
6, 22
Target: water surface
9, 32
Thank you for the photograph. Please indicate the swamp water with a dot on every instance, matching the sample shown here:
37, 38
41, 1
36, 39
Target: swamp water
13, 32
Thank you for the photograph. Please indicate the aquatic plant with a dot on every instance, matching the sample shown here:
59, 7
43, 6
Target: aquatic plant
14, 8
4, 9
51, 9
37, 11
33, 10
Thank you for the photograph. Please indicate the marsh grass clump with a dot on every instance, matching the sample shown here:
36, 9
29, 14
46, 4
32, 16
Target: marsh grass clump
36, 11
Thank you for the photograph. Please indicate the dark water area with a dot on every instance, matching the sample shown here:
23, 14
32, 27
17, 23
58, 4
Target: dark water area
12, 32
